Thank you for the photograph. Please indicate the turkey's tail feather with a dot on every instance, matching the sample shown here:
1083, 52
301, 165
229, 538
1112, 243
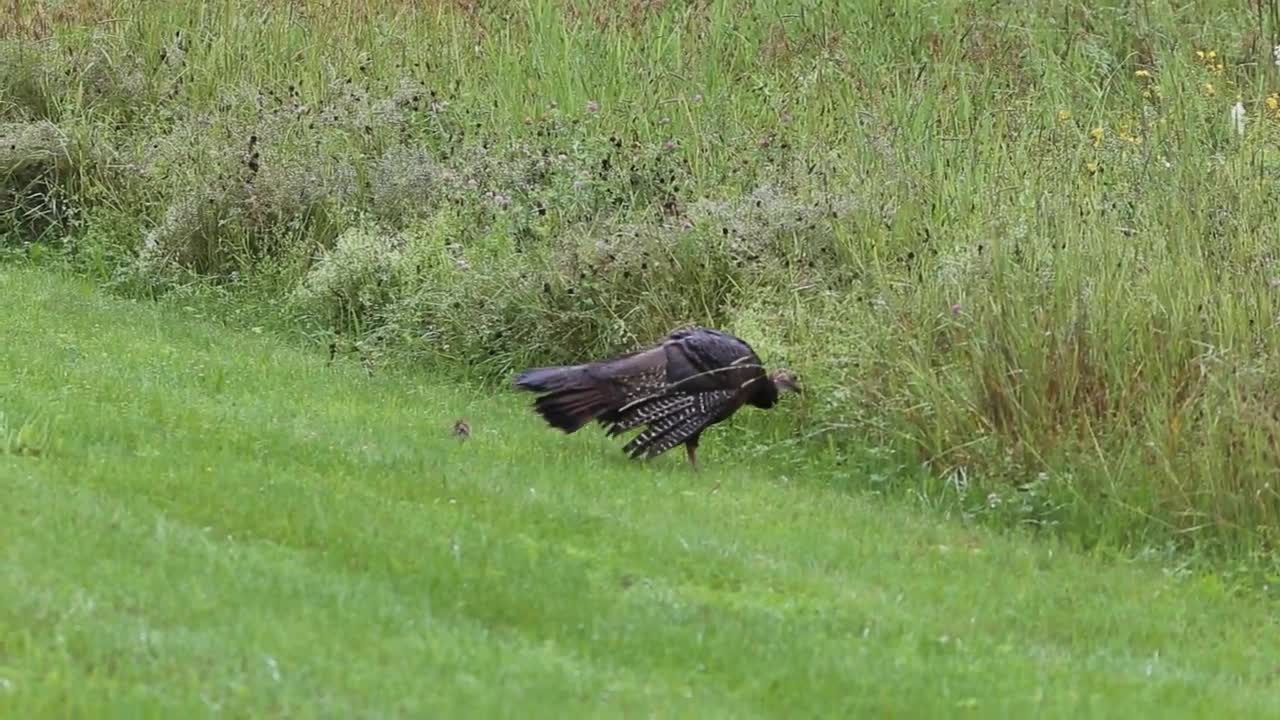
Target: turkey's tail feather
547, 379
573, 398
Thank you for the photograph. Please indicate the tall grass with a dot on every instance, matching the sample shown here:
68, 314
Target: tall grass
1020, 243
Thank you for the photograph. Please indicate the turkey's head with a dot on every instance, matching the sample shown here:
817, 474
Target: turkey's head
785, 381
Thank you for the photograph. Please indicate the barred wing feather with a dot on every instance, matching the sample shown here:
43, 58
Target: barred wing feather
678, 421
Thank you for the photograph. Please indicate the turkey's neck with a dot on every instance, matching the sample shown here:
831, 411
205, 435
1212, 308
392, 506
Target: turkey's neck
763, 393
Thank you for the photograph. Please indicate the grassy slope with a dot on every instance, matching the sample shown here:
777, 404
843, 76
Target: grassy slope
1017, 242
199, 519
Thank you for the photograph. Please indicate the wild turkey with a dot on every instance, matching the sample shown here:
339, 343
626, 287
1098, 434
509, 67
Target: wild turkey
691, 379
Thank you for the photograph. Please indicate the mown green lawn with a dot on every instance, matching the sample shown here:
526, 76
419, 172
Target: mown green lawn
196, 521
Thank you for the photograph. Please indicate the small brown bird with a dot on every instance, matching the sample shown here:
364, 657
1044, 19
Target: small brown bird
688, 381
461, 429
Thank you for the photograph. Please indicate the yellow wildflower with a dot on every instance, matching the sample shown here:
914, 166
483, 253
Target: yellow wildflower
1125, 134
1092, 167
1096, 134
1064, 116
1142, 73
1209, 89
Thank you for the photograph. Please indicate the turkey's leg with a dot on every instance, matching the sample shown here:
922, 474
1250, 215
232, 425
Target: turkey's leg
691, 447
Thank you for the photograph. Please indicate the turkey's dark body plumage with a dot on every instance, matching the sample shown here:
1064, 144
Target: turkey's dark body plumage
690, 380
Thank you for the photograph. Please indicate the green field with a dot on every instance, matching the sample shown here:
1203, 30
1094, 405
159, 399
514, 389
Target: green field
204, 522
1022, 255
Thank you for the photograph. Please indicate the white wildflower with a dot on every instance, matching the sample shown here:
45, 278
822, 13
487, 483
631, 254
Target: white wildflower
1237, 118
